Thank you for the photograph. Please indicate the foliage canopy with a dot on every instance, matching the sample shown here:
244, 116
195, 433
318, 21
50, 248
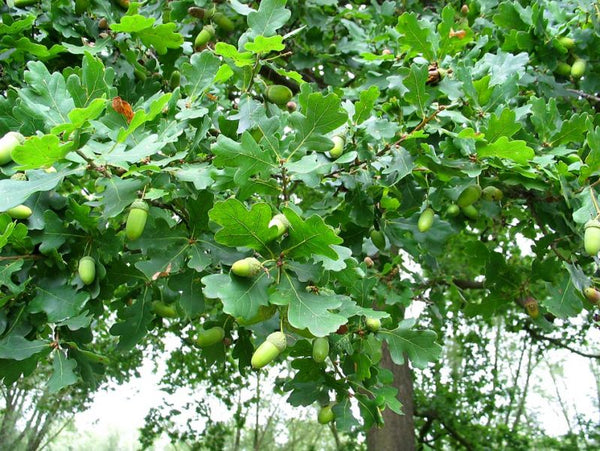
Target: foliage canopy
121, 104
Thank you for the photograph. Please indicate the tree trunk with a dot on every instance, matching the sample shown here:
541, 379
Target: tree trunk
398, 434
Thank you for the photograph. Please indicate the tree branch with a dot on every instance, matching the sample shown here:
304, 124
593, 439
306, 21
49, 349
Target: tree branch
560, 344
468, 284
585, 95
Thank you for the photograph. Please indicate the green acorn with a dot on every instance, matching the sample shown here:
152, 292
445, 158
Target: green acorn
470, 212
8, 143
425, 220
175, 79
452, 211
205, 35
87, 270
223, 22
281, 222
563, 69
326, 414
209, 337
566, 42
246, 267
163, 310
279, 94
591, 294
469, 196
136, 220
373, 324
19, 212
591, 237
578, 68
338, 147
378, 239
320, 349
492, 193
274, 345
264, 313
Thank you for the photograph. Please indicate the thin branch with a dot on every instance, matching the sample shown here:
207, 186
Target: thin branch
21, 257
459, 438
560, 344
51, 438
585, 95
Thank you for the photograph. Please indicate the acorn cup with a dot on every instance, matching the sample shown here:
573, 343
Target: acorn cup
532, 307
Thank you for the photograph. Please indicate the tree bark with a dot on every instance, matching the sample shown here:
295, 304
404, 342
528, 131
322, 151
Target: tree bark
398, 434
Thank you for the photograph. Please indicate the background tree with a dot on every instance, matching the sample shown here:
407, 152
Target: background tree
250, 176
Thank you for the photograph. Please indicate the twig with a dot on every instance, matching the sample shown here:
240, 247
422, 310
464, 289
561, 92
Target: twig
21, 257
585, 95
560, 344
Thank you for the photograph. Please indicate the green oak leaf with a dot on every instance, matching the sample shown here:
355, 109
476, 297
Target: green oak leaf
137, 318
310, 237
191, 299
418, 345
572, 130
271, 16
40, 151
503, 148
240, 59
18, 26
7, 269
503, 125
265, 45
248, 157
118, 194
240, 226
415, 83
307, 310
79, 116
241, 297
365, 105
564, 300
94, 83
199, 73
161, 37
16, 347
416, 37
46, 96
133, 24
15, 192
58, 302
62, 374
321, 115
